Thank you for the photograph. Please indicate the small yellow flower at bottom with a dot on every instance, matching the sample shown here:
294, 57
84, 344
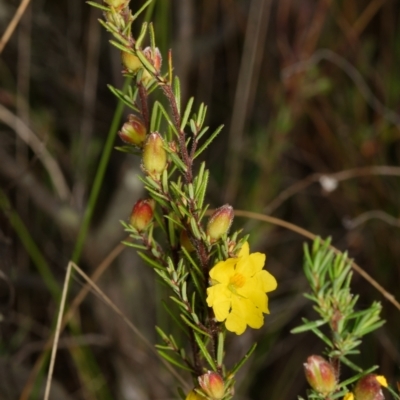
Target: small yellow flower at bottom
348, 396
238, 290
192, 395
382, 380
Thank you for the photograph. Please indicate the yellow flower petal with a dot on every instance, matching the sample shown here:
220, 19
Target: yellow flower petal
235, 323
382, 380
267, 280
256, 296
219, 298
250, 265
222, 271
245, 250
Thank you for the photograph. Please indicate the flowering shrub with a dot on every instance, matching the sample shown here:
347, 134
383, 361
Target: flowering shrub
216, 283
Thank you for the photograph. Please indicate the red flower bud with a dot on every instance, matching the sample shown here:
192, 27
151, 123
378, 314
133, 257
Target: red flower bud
154, 155
212, 385
154, 56
320, 374
142, 214
369, 387
133, 132
220, 222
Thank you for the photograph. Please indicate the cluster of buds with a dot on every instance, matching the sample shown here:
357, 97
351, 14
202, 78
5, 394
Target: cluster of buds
220, 222
142, 214
133, 64
320, 374
134, 131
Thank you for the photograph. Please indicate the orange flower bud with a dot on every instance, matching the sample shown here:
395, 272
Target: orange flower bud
212, 385
154, 57
320, 374
154, 156
220, 222
142, 214
133, 132
369, 388
192, 395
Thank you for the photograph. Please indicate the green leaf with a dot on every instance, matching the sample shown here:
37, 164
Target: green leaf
208, 141
186, 115
308, 326
205, 352
129, 102
164, 347
350, 364
220, 349
168, 119
357, 377
120, 46
97, 5
194, 327
176, 160
202, 132
239, 365
173, 361
149, 261
141, 9
177, 93
163, 335
135, 245
155, 120
180, 303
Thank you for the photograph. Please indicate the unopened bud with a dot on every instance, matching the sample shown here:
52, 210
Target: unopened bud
117, 4
154, 155
133, 132
320, 374
212, 385
154, 56
142, 214
220, 222
131, 62
369, 387
192, 395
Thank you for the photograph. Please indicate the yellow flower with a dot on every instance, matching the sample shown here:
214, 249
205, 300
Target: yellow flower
238, 291
348, 396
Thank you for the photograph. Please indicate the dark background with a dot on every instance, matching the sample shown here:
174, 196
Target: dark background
302, 88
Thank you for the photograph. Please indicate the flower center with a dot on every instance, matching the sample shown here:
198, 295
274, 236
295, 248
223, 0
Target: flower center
236, 282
